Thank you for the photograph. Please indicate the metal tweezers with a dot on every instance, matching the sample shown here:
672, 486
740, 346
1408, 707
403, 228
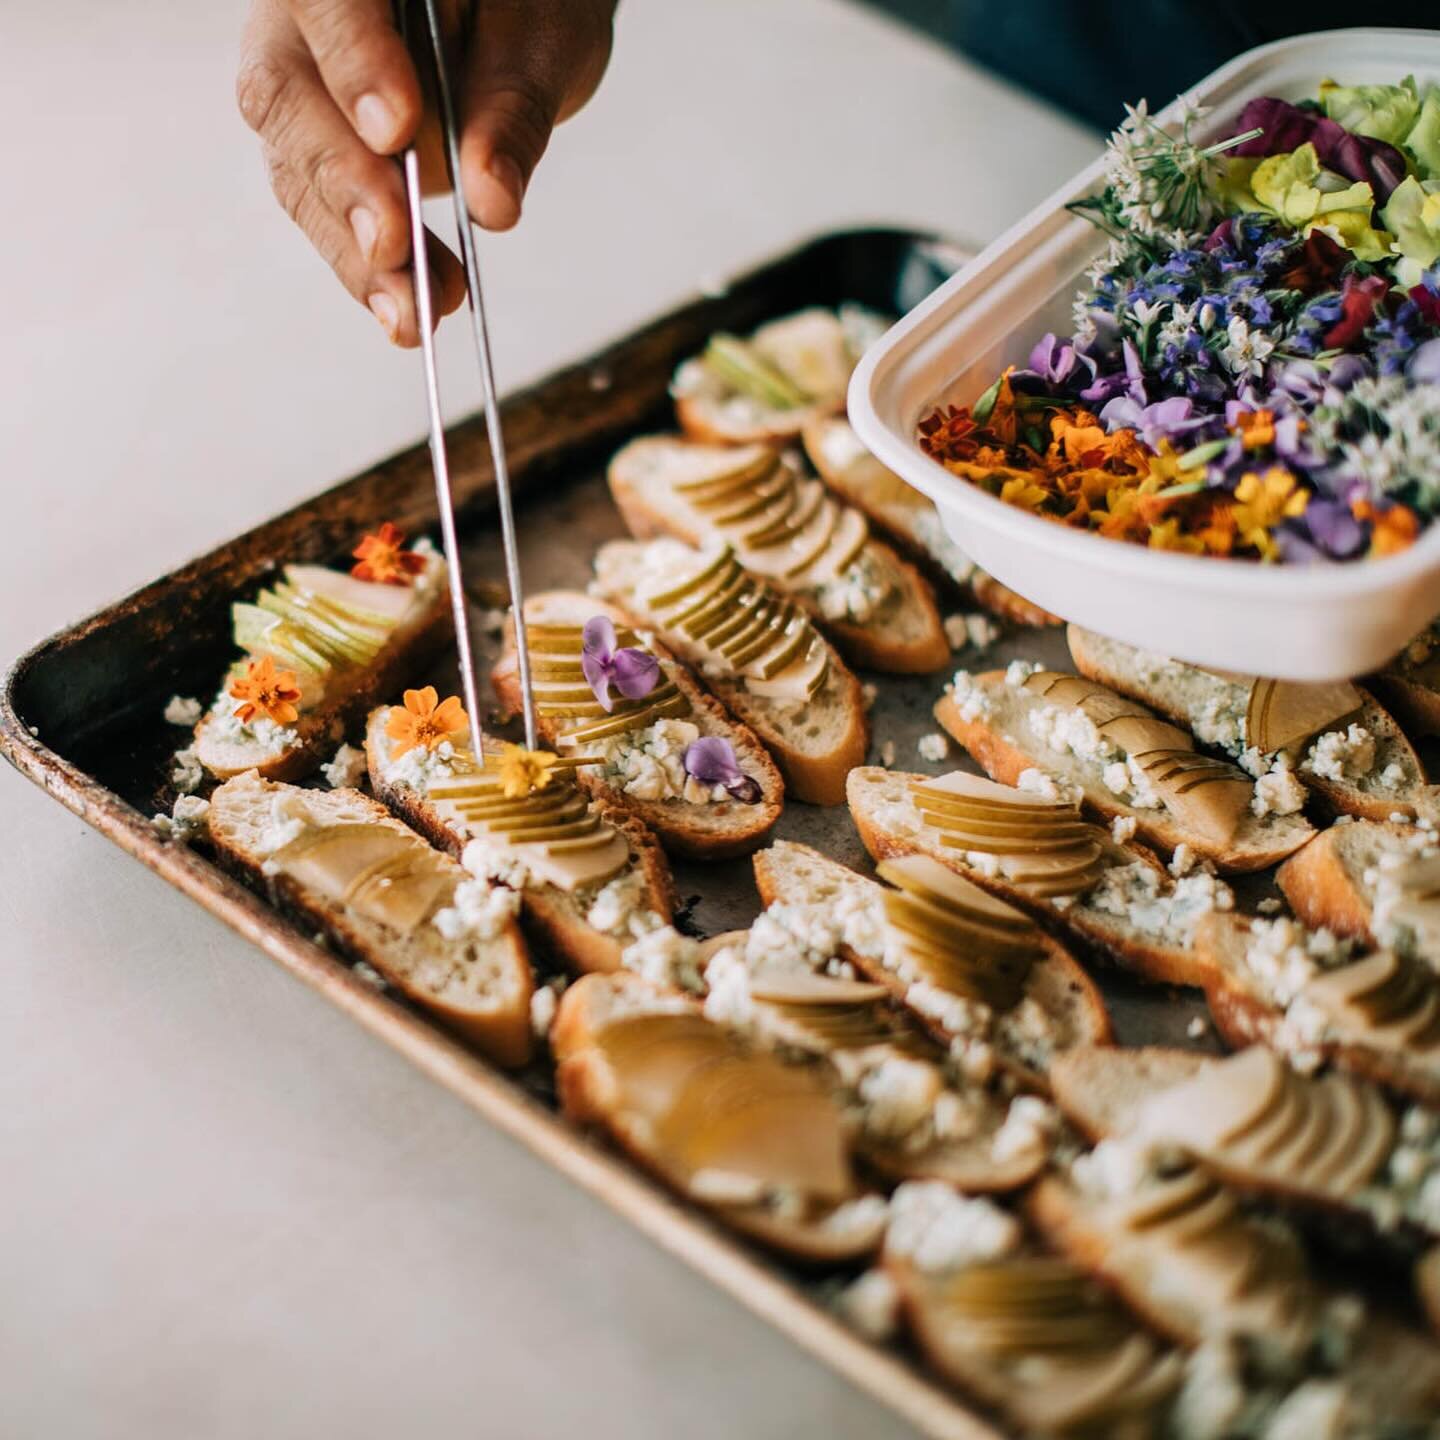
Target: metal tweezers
424, 305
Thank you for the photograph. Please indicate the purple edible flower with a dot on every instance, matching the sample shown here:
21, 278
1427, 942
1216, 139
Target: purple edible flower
1333, 529
1286, 127
1052, 370
1163, 420
711, 760
633, 673
1424, 366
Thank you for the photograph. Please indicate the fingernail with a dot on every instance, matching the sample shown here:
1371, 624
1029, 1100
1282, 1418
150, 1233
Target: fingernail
375, 121
506, 174
386, 311
366, 231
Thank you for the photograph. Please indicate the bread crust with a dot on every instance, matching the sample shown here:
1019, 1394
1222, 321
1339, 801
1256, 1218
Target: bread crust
1321, 891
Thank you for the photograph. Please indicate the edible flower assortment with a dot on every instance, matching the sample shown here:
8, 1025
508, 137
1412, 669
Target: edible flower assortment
1255, 366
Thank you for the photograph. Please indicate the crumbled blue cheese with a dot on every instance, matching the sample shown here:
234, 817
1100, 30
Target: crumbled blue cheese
933, 747
1393, 777
1122, 829
620, 907
929, 531
714, 1186
183, 710
857, 592
665, 957
1030, 1124
1340, 755
649, 763
418, 768
1277, 791
189, 817
1017, 672
288, 819
261, 733
544, 1001
345, 768
1213, 1399
870, 1305
1115, 1168
477, 911
1150, 903
1039, 782
186, 771
898, 1096
727, 997
970, 698
1409, 1186
937, 1230
971, 632
1183, 861
887, 753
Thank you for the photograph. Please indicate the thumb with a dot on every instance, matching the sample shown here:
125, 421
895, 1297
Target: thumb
530, 64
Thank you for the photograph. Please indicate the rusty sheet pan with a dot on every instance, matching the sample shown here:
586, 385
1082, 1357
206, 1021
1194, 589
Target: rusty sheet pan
80, 714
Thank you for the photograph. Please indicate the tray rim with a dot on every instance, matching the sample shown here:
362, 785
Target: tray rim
726, 1261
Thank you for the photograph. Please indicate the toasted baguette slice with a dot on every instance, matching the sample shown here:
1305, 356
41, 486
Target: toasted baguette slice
1214, 707
592, 1092
814, 742
1312, 1144
996, 723
1024, 1332
478, 987
908, 518
291, 752
1332, 884
706, 830
901, 635
1136, 915
810, 349
1197, 1269
1410, 684
1060, 1007
560, 918
1402, 1054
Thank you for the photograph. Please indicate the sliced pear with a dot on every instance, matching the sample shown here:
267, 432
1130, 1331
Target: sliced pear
926, 877
709, 572
1282, 713
797, 987
729, 508
713, 470
385, 604
960, 787
746, 370
811, 543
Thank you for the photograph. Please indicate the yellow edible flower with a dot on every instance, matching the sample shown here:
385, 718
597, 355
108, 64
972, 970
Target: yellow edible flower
1262, 502
1165, 535
522, 771
1022, 491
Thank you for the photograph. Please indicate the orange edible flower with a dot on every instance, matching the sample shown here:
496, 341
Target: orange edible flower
426, 722
1392, 530
263, 690
1256, 428
522, 771
384, 560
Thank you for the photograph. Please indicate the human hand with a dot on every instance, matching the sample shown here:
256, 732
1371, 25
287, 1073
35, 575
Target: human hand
331, 91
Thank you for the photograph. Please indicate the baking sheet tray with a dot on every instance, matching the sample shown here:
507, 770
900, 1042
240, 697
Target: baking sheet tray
80, 714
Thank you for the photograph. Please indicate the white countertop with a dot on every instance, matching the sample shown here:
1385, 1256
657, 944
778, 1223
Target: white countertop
225, 1210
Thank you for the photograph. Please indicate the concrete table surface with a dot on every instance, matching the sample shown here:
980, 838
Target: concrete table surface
224, 1210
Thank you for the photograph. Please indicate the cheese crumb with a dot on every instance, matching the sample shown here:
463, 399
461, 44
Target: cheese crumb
868, 695
1197, 1027
971, 632
186, 771
183, 710
938, 1230
345, 768
369, 974
887, 753
1122, 829
933, 747
542, 1010
870, 1305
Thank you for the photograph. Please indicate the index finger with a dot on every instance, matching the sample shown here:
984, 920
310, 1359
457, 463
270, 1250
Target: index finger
365, 67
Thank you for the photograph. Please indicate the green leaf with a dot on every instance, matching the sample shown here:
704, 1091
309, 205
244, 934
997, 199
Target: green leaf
984, 407
1413, 216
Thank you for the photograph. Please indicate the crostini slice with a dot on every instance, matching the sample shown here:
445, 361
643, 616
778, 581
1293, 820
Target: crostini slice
1336, 738
765, 388
646, 743
789, 530
1122, 760
321, 647
1322, 1000
1055, 1005
589, 896
445, 940
1113, 896
908, 518
757, 651
761, 1144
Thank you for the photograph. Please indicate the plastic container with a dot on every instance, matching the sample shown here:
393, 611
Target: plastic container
1302, 623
